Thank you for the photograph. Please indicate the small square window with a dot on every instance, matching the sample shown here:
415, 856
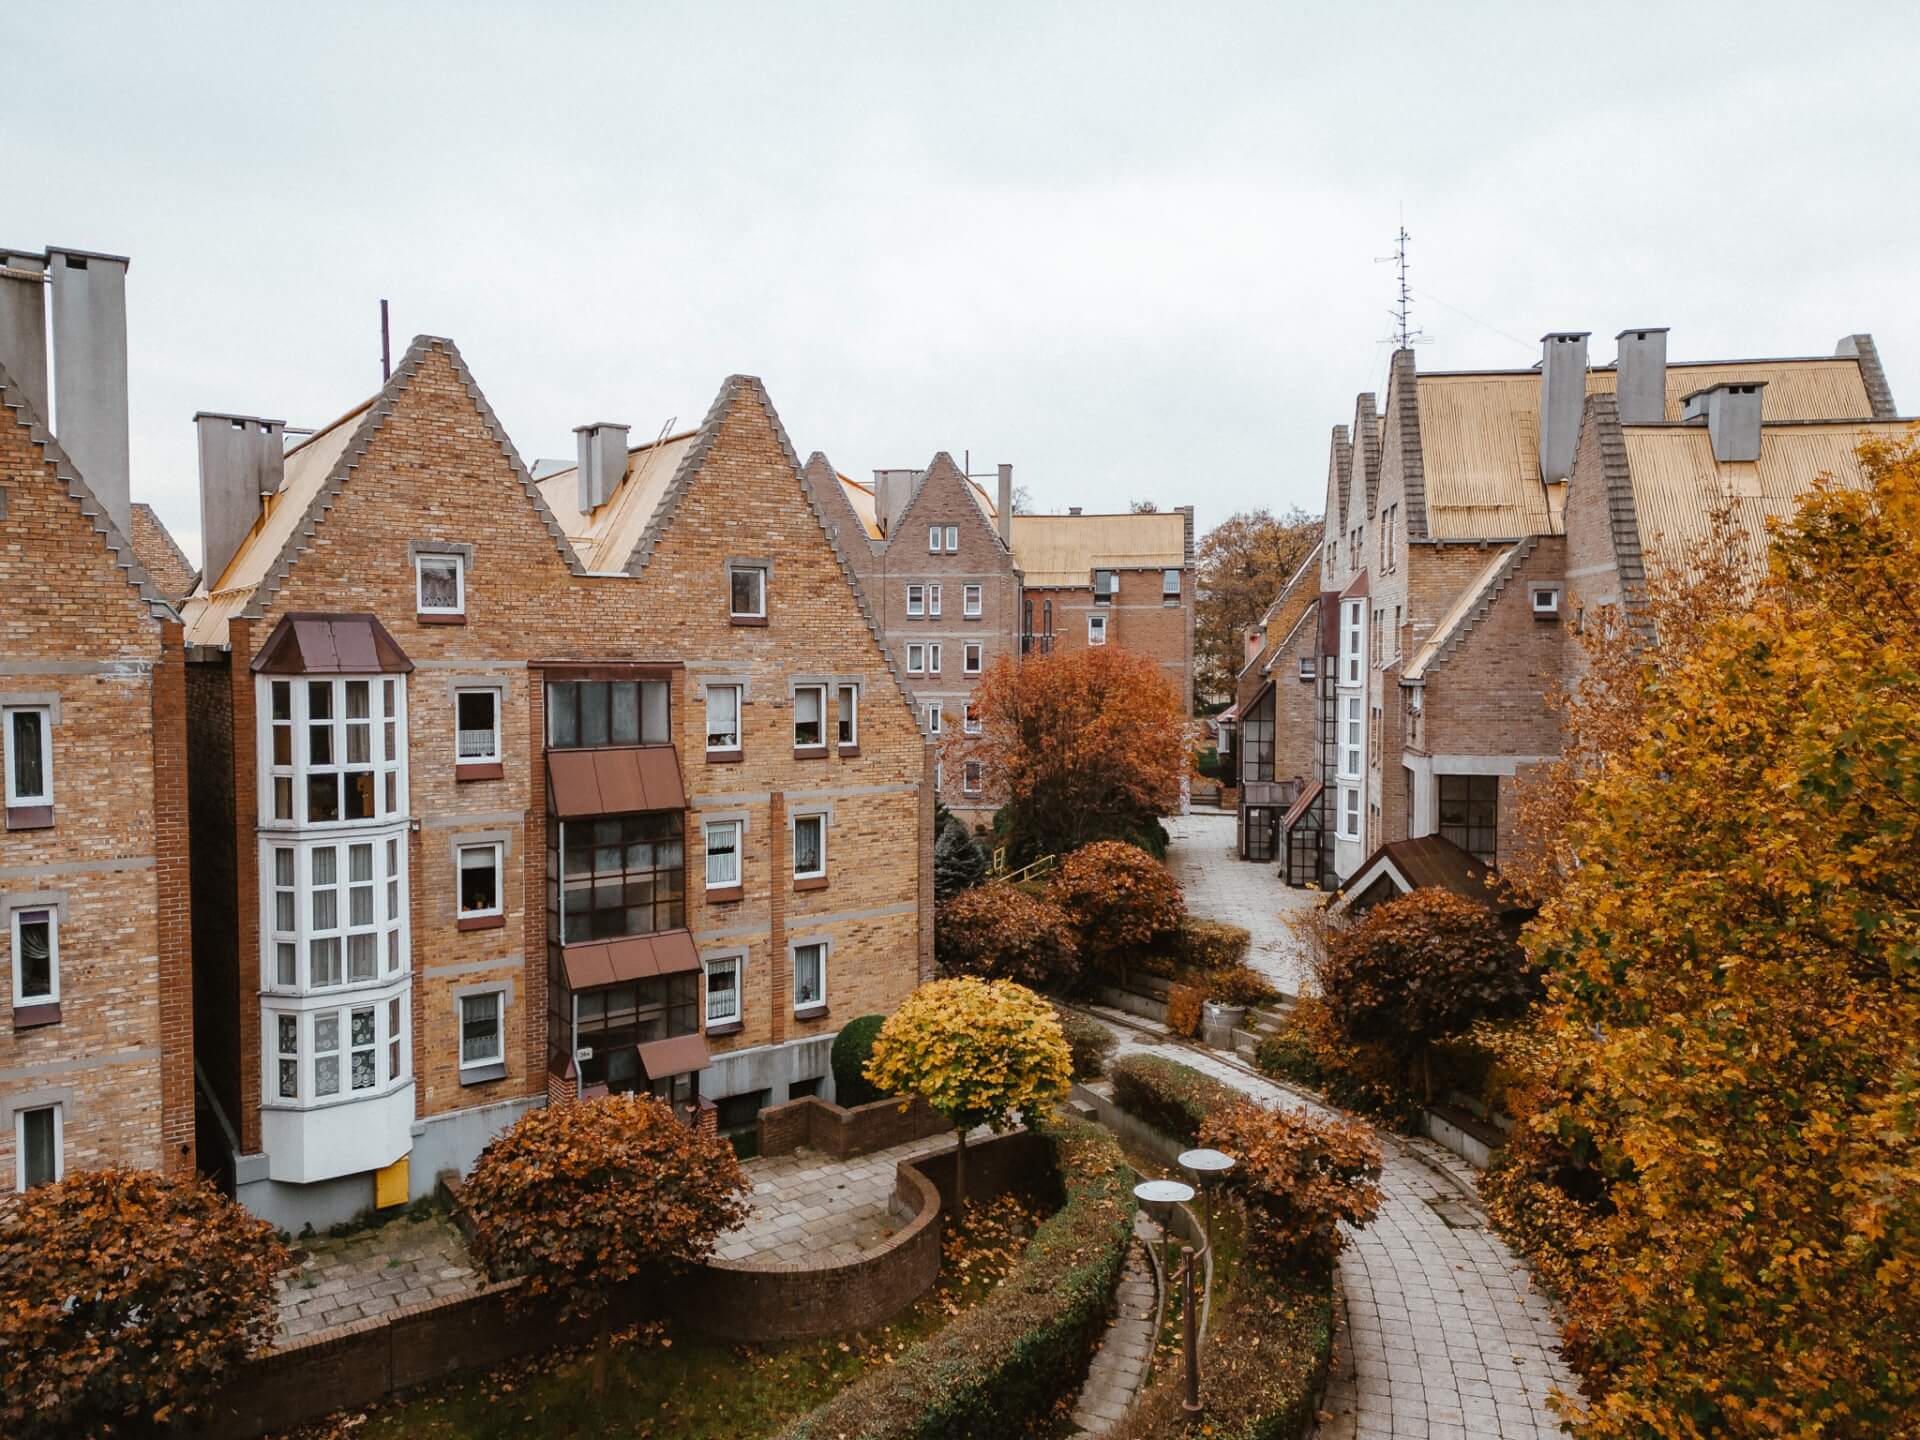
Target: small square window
38, 1145
36, 958
29, 756
1308, 668
933, 718
1096, 630
482, 1033
970, 777
809, 847
809, 976
747, 587
849, 715
477, 721
723, 717
810, 717
953, 539
442, 581
970, 602
723, 990
480, 888
916, 601
723, 854
1170, 584
970, 657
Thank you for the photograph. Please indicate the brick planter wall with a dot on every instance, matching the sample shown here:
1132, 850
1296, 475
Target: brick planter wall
826, 1127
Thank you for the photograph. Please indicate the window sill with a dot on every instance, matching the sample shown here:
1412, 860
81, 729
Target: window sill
810, 882
480, 770
32, 1017
29, 817
810, 1012
725, 757
426, 619
483, 1074
726, 894
483, 922
849, 752
809, 752
731, 1027
748, 621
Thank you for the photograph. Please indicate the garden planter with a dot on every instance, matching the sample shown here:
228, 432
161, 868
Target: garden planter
1218, 1022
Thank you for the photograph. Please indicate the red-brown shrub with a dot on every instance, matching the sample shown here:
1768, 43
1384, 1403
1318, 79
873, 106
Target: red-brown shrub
1299, 1177
1118, 897
1183, 1009
998, 932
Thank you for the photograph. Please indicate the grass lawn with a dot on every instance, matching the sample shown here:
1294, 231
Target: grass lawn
667, 1382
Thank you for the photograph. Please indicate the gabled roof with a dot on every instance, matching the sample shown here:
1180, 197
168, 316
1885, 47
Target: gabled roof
1429, 862
1065, 550
605, 536
160, 556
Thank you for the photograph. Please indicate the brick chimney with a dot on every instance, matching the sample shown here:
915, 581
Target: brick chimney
1640, 375
242, 459
1563, 395
601, 451
1732, 417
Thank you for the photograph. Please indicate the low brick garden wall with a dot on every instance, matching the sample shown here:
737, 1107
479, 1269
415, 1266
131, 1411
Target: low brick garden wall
824, 1126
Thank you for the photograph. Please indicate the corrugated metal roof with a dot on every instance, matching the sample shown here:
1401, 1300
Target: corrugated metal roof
1457, 613
605, 537
1480, 433
1678, 485
1066, 549
860, 497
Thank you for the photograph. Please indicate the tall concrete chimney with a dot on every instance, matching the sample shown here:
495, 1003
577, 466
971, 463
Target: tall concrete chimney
602, 451
90, 373
242, 459
1563, 394
892, 492
23, 327
1640, 375
1732, 416
1003, 516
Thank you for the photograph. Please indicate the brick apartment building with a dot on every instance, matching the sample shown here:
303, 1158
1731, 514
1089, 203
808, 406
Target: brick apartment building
509, 791
1475, 520
991, 582
96, 1059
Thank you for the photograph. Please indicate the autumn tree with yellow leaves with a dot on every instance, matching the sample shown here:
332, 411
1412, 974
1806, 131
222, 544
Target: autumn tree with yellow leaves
1732, 1033
980, 1052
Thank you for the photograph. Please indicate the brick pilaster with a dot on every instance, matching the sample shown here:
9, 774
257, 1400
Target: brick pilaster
928, 760
779, 882
533, 871
173, 902
246, 879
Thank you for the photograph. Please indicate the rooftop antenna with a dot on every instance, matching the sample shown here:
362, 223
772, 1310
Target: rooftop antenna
1405, 335
386, 347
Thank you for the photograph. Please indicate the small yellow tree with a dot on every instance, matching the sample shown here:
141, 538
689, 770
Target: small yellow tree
978, 1052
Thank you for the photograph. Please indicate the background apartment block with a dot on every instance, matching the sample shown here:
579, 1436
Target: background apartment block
517, 791
96, 1061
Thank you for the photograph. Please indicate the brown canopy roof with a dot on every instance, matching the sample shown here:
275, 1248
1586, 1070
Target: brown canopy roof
590, 963
1302, 805
310, 644
1432, 862
683, 1053
618, 781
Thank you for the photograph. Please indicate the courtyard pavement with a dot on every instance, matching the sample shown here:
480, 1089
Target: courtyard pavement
1221, 886
356, 1277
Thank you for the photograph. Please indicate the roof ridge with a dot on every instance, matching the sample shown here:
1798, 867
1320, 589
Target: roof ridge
920, 488
829, 478
1413, 470
120, 548
1490, 590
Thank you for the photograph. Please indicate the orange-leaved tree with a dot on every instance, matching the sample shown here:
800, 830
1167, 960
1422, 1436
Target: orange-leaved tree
585, 1197
999, 932
1241, 564
1084, 745
1300, 1177
980, 1052
125, 1295
1734, 982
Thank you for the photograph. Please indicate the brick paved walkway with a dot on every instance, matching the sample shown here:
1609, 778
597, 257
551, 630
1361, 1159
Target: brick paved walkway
359, 1276
1220, 886
1125, 1355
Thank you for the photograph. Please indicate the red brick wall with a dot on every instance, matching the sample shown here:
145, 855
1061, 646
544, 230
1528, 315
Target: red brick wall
843, 1133
174, 903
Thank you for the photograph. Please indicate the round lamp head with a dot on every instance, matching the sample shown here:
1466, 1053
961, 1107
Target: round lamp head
1160, 1196
1206, 1165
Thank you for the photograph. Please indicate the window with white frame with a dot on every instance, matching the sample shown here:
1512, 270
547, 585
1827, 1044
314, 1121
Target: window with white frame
322, 1055
38, 1146
933, 658
747, 592
1350, 812
970, 601
933, 602
440, 584
1170, 584
482, 894
723, 990
1096, 629
476, 716
723, 854
810, 717
953, 539
970, 657
916, 659
1351, 736
36, 958
970, 722
335, 750
933, 539
284, 1029
810, 975
849, 715
29, 755
325, 899
809, 847
723, 717
933, 717
916, 601
970, 777
483, 1039
1105, 584
1352, 640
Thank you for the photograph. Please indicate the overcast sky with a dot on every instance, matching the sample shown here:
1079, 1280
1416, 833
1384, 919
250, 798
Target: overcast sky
1129, 249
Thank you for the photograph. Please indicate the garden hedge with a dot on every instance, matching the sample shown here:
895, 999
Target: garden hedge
1001, 1368
1168, 1095
852, 1048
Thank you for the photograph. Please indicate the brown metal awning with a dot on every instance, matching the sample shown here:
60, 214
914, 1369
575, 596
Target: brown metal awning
617, 781
591, 963
678, 1056
303, 643
1302, 805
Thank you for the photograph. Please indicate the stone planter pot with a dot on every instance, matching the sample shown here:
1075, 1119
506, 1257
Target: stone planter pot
1218, 1022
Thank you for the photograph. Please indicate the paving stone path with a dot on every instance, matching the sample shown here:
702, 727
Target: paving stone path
1221, 886
356, 1277
1121, 1363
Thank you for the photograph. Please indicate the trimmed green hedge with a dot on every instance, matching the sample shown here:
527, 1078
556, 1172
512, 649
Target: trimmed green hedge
1089, 1040
1002, 1367
1168, 1095
852, 1048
